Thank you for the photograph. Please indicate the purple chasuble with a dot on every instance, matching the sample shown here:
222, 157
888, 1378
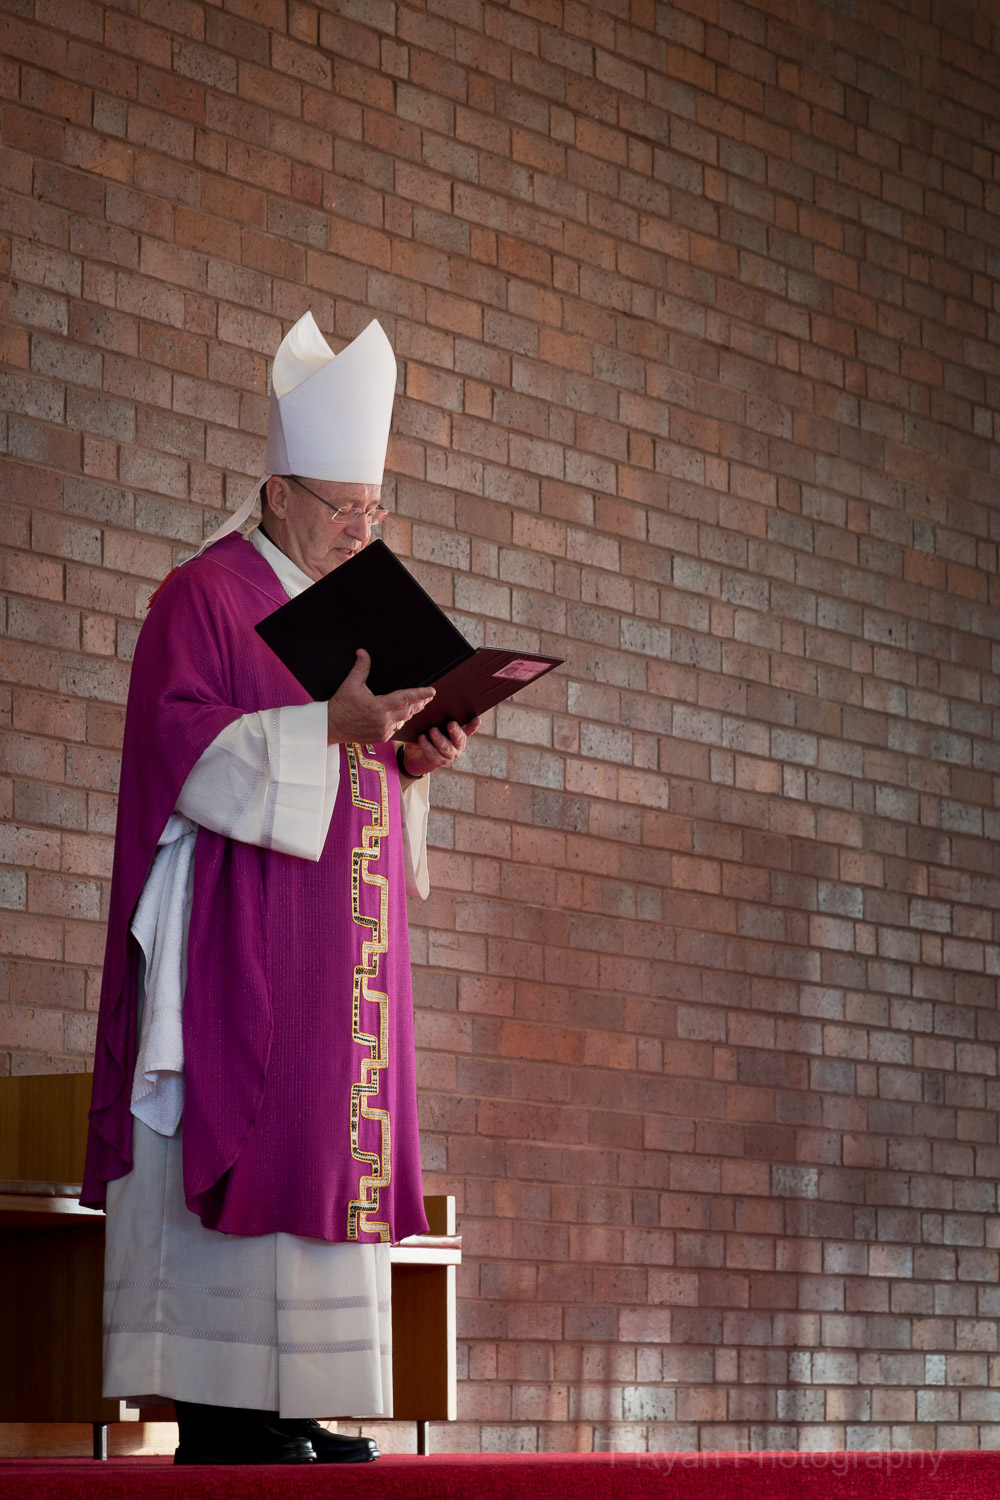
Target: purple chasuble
300, 1098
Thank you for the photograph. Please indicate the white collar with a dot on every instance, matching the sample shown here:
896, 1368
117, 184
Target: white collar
290, 576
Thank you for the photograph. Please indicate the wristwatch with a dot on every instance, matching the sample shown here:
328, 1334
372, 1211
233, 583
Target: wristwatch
401, 763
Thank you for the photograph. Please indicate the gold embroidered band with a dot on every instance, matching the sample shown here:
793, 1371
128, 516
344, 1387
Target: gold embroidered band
364, 858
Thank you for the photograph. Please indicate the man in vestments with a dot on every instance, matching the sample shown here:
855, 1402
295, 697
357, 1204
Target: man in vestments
253, 1125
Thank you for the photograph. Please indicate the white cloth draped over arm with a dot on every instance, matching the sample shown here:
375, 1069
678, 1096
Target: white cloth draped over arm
160, 925
270, 779
416, 805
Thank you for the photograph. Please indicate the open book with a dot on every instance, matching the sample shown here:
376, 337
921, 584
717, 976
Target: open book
372, 601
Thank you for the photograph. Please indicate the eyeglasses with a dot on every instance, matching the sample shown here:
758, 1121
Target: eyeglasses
371, 516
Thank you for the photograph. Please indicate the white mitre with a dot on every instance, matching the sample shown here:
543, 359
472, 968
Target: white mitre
330, 413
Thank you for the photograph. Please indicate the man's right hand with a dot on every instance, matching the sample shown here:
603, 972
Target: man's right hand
356, 716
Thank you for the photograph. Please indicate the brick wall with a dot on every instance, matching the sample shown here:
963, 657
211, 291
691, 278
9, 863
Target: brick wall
697, 310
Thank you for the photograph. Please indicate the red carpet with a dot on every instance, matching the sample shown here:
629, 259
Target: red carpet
528, 1476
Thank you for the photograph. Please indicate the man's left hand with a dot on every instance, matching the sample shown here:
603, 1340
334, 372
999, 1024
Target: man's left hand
436, 749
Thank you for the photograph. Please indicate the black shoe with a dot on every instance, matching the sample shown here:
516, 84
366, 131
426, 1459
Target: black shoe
231, 1435
276, 1451
330, 1447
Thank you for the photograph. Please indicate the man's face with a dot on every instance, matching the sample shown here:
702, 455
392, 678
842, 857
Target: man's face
320, 523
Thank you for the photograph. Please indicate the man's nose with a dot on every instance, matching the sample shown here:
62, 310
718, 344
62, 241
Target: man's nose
359, 525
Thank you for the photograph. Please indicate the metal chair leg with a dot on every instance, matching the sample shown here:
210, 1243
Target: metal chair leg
100, 1439
423, 1438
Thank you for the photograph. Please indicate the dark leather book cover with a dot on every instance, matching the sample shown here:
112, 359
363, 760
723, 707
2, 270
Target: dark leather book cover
372, 601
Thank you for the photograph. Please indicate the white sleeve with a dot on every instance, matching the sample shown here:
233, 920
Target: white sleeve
416, 805
270, 779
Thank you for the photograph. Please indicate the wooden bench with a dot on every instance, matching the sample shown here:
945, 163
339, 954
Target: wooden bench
52, 1271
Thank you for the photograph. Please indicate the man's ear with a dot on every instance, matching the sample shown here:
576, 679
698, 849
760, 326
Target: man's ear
276, 493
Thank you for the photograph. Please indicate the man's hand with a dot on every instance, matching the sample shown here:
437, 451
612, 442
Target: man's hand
429, 752
356, 716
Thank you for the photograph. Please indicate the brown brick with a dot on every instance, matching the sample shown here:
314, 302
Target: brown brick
176, 350
28, 133
170, 137
48, 268
134, 39
302, 142
94, 153
55, 96
260, 168
164, 91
